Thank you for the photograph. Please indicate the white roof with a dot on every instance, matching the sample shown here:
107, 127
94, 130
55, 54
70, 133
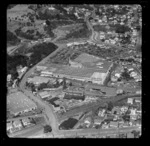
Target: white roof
98, 75
39, 79
18, 102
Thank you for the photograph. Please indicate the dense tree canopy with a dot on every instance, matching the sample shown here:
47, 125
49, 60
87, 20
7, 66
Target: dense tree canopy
12, 38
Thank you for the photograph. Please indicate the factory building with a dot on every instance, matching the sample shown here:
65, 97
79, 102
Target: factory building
85, 68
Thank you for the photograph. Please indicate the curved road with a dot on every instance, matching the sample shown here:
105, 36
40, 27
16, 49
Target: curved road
48, 109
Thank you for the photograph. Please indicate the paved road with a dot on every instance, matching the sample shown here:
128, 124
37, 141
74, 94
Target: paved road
93, 105
29, 131
19, 118
48, 108
100, 132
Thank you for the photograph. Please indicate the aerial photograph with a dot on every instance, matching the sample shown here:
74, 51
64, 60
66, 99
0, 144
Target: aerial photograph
74, 71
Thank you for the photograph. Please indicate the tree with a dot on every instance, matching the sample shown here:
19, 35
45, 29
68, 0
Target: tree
57, 84
110, 106
125, 75
126, 118
136, 133
47, 129
64, 83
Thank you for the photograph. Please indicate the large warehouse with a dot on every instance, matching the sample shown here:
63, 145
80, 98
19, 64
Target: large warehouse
85, 68
18, 103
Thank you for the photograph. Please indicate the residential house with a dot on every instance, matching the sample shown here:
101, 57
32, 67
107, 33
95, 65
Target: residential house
102, 113
9, 127
133, 111
124, 109
125, 124
17, 124
130, 135
44, 94
8, 77
98, 121
105, 126
116, 110
26, 121
88, 121
130, 101
137, 100
121, 123
113, 124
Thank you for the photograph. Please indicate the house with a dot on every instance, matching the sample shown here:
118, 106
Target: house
130, 101
113, 124
17, 124
44, 94
26, 121
130, 135
116, 110
138, 101
105, 126
9, 127
133, 112
139, 112
102, 113
88, 121
121, 123
8, 77
124, 108
98, 121
125, 124
115, 117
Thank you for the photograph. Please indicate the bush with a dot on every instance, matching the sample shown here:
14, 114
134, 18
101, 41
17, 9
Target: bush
47, 129
99, 28
81, 33
110, 106
11, 38
13, 62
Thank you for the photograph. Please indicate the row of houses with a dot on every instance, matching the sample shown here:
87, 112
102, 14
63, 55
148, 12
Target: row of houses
18, 125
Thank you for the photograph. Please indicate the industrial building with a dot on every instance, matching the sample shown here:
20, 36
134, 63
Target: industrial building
18, 103
85, 68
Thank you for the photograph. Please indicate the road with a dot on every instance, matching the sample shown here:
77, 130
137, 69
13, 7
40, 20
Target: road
19, 118
47, 108
12, 49
29, 131
100, 132
93, 105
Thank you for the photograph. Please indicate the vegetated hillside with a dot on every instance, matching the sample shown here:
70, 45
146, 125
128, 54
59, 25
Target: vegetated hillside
28, 21
29, 34
12, 39
83, 32
13, 62
11, 6
38, 52
116, 27
51, 25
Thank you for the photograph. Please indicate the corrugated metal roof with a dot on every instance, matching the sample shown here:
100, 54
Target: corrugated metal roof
18, 102
90, 64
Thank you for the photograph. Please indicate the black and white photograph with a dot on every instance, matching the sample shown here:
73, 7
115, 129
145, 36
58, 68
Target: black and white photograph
74, 71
